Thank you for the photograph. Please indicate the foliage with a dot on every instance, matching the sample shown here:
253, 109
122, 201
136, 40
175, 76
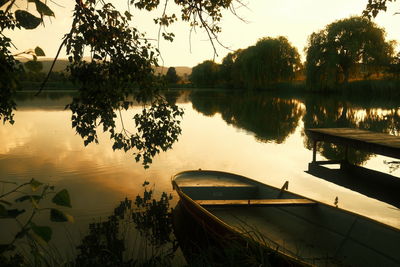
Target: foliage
120, 65
374, 7
8, 69
270, 60
32, 194
394, 66
334, 52
153, 218
105, 244
227, 71
11, 19
171, 77
205, 74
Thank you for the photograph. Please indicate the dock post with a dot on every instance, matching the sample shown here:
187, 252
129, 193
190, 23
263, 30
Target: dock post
314, 153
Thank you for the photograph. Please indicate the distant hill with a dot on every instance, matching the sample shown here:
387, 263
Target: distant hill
61, 65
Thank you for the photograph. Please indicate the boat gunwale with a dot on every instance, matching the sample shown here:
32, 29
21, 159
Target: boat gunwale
230, 231
279, 189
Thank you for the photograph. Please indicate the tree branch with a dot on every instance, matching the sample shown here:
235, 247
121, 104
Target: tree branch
51, 68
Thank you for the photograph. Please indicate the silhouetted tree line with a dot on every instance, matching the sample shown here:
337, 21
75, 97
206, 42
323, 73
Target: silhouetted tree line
32, 71
269, 61
349, 49
352, 48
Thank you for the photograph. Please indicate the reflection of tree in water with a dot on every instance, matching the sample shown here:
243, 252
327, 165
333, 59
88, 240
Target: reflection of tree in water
172, 95
207, 102
384, 121
333, 113
269, 118
54, 95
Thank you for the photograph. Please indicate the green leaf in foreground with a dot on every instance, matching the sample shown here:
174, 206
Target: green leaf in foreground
62, 198
39, 52
3, 2
27, 20
43, 232
22, 233
43, 9
59, 216
5, 202
28, 197
14, 213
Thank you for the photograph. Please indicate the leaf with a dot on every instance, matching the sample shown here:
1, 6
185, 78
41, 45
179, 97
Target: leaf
59, 216
39, 52
62, 198
22, 233
35, 184
43, 9
3, 2
14, 213
27, 20
43, 232
128, 15
28, 197
5, 202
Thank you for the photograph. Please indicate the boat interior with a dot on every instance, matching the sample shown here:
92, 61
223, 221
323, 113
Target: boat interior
317, 233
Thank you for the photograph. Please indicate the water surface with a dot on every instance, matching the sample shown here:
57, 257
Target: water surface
257, 135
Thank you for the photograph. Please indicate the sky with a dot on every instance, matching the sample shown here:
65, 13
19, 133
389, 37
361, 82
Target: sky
295, 19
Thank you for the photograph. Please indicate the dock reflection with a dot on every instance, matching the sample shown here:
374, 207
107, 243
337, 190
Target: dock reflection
371, 183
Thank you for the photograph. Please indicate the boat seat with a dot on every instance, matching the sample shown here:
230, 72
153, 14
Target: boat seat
257, 202
220, 192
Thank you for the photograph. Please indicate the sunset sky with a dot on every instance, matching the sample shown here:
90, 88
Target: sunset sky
291, 18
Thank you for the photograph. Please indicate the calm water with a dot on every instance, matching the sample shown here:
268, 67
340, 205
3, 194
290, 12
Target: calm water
255, 135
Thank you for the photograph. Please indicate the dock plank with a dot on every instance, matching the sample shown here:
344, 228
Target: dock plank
378, 143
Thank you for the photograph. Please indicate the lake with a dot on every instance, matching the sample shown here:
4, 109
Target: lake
257, 135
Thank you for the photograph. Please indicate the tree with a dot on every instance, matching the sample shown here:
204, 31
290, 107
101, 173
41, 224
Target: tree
227, 74
334, 52
270, 60
394, 66
205, 74
171, 77
121, 64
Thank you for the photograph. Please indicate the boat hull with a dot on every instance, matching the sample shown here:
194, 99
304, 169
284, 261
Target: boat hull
317, 234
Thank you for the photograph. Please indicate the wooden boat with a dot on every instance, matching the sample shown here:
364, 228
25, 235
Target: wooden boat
297, 227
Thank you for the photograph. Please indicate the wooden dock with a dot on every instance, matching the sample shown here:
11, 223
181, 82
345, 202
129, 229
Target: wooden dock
377, 143
375, 184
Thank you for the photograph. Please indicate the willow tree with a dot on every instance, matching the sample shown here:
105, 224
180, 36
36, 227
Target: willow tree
334, 52
270, 60
121, 65
228, 76
205, 74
